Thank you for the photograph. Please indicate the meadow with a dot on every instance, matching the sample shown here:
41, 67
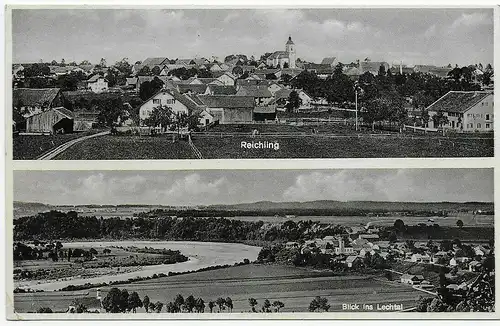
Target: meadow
295, 287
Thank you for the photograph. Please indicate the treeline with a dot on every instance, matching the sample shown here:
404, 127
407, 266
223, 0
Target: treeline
60, 225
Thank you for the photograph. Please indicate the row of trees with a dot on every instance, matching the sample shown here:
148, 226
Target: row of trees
60, 225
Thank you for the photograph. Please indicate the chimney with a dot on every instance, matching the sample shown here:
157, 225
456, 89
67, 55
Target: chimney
401, 68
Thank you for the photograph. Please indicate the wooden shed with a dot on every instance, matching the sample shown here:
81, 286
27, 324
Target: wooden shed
54, 120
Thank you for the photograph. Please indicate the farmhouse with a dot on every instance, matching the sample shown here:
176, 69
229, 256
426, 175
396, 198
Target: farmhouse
465, 111
30, 101
97, 84
227, 79
352, 261
168, 99
54, 120
192, 88
229, 109
261, 94
411, 279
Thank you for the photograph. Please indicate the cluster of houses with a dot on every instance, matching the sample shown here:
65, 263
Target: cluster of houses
227, 98
351, 249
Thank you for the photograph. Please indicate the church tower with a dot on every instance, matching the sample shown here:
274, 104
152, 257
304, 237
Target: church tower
290, 50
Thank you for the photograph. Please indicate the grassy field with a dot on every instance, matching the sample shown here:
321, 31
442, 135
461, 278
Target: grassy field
295, 287
346, 147
29, 147
128, 147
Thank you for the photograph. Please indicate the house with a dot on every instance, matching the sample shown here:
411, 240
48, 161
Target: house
261, 94
474, 266
30, 101
418, 258
227, 79
457, 261
372, 67
154, 62
220, 90
411, 279
97, 84
53, 121
205, 118
192, 88
168, 99
330, 61
353, 261
481, 251
229, 109
466, 111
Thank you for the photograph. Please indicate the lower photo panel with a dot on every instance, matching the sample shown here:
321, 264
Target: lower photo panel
253, 242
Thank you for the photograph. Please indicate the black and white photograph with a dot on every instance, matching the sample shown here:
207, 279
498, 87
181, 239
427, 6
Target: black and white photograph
264, 243
251, 83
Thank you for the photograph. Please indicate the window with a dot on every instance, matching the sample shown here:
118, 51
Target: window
156, 101
487, 117
488, 126
478, 125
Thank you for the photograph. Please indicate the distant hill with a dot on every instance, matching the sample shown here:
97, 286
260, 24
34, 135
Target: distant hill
357, 205
26, 209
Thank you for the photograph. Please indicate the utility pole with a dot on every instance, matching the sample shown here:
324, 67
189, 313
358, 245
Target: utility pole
356, 92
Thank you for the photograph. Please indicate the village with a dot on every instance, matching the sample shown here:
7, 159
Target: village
165, 95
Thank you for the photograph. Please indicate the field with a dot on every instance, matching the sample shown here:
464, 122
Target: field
295, 287
128, 147
200, 254
30, 147
314, 146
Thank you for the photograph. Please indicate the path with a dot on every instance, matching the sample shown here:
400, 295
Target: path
61, 148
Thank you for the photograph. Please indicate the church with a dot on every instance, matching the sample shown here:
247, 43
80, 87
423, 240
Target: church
279, 58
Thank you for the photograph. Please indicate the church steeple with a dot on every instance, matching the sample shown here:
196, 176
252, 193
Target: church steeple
289, 40
290, 50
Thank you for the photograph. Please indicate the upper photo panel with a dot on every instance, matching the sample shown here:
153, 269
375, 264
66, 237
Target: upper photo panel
133, 84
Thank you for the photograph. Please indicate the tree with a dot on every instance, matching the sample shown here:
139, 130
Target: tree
278, 305
399, 225
160, 116
145, 71
440, 119
381, 70
319, 304
294, 101
110, 111
252, 303
229, 304
93, 252
102, 63
148, 89
178, 301
145, 303
190, 303
200, 305
266, 306
486, 77
158, 306
211, 306
156, 71
106, 251
220, 303
54, 63
63, 63
171, 307
113, 301
460, 223
134, 302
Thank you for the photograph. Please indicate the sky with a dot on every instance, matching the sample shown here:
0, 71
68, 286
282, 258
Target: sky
187, 188
415, 36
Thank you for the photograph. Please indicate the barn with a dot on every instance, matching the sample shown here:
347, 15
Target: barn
54, 120
229, 109
30, 101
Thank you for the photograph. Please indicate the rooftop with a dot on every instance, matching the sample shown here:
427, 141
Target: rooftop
458, 101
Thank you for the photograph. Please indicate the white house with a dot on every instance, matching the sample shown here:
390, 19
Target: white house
411, 279
97, 84
418, 258
465, 111
168, 99
227, 79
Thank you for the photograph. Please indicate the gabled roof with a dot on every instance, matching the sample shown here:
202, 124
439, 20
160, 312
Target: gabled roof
184, 61
94, 78
207, 80
351, 259
224, 101
458, 101
67, 113
328, 61
222, 90
155, 61
255, 91
34, 96
283, 93
278, 55
195, 88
